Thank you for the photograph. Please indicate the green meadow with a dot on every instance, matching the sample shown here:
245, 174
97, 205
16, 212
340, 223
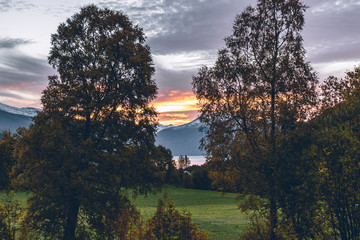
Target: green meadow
213, 211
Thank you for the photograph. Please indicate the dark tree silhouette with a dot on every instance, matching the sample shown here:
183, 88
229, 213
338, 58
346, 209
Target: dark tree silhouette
94, 139
260, 88
7, 143
184, 161
336, 149
7, 160
164, 161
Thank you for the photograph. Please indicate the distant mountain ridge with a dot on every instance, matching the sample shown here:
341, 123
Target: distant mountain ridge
181, 140
162, 127
27, 111
12, 117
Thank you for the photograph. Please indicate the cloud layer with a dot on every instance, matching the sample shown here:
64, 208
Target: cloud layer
9, 43
183, 35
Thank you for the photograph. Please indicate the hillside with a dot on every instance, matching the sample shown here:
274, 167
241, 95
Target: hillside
11, 117
213, 211
10, 121
182, 140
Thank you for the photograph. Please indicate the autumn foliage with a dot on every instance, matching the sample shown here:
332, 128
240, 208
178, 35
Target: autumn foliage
169, 223
288, 145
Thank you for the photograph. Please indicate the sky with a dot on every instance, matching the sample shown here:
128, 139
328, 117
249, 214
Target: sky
183, 35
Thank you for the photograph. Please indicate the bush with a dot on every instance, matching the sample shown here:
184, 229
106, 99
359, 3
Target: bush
169, 223
10, 215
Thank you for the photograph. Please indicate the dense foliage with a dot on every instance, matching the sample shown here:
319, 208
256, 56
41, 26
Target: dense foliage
94, 139
336, 149
7, 159
11, 212
288, 145
254, 98
169, 223
318, 194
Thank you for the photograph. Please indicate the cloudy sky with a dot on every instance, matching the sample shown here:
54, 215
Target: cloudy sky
183, 36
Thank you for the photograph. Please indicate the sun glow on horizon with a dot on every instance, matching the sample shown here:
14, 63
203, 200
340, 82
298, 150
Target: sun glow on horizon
176, 108
173, 107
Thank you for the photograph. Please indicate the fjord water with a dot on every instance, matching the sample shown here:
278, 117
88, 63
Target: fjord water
194, 160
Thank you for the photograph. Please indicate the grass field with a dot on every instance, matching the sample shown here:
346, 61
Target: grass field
212, 211
20, 196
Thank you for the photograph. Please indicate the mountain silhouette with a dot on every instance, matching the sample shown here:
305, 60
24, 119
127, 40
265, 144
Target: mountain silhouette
181, 140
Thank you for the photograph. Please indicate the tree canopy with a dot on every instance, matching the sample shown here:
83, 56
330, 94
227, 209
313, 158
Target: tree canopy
94, 139
255, 96
7, 159
336, 149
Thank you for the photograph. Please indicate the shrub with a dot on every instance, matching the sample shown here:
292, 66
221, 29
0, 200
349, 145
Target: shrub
10, 215
169, 223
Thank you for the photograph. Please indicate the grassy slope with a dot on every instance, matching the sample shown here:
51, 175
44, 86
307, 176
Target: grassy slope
215, 213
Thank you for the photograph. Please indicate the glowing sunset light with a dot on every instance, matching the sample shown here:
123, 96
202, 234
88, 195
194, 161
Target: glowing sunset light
173, 122
180, 115
179, 106
176, 107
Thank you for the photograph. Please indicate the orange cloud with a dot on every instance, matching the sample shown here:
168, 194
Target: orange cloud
175, 107
176, 115
173, 122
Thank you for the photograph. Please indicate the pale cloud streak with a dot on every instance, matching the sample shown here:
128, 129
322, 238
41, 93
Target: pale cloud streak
333, 6
184, 61
330, 38
17, 68
7, 5
8, 43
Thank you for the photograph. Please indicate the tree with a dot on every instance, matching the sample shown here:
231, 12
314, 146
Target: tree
257, 93
184, 162
7, 160
336, 148
301, 215
164, 161
94, 139
200, 178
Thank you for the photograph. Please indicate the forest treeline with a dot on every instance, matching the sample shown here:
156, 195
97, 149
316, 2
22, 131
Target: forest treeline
286, 143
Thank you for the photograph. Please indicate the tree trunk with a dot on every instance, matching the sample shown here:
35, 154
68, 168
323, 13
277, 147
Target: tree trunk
71, 221
273, 164
273, 218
